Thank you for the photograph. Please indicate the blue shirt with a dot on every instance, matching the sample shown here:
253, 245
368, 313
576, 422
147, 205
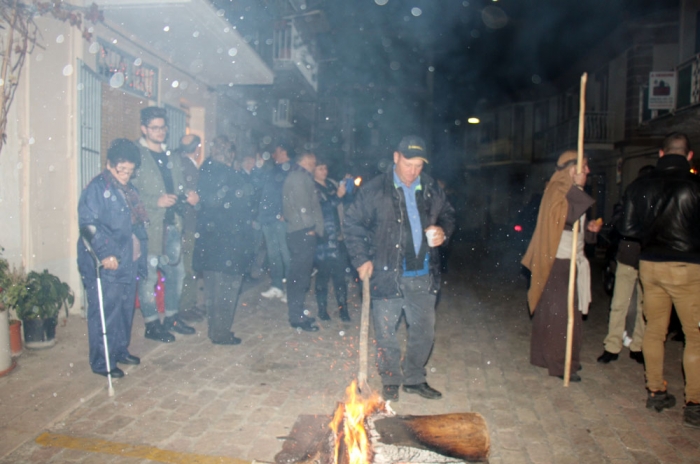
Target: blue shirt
409, 194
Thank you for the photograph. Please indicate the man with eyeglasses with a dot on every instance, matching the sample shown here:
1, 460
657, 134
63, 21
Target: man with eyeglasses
162, 188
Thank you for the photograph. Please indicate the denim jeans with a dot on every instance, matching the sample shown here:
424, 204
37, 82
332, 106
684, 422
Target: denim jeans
418, 304
172, 276
277, 251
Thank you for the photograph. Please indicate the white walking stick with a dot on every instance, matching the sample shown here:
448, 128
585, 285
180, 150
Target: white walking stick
87, 233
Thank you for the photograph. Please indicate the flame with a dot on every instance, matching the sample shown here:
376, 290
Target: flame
348, 426
357, 181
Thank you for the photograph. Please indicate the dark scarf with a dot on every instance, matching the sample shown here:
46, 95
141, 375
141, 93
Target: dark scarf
131, 196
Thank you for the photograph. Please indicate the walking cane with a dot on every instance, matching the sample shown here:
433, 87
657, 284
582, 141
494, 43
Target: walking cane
574, 246
87, 233
364, 336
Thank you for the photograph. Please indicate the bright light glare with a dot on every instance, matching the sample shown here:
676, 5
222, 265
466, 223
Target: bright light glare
473, 120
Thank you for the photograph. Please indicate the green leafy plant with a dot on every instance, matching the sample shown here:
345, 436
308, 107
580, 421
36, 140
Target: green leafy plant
40, 297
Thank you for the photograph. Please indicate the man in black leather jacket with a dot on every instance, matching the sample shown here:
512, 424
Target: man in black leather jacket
385, 231
662, 212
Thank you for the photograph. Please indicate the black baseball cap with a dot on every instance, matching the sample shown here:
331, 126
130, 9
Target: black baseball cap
413, 146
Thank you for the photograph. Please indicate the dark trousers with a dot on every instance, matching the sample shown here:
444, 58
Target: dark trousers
331, 268
418, 305
302, 249
118, 302
221, 298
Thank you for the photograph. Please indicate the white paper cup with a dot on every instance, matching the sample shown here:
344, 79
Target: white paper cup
431, 235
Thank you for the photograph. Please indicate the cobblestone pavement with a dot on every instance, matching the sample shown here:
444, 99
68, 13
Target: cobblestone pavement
237, 402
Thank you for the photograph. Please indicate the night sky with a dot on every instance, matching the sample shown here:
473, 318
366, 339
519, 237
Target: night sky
482, 51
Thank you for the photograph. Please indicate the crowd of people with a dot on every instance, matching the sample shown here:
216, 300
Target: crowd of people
156, 217
658, 269
160, 221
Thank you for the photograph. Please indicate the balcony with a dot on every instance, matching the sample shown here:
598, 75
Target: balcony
598, 134
292, 57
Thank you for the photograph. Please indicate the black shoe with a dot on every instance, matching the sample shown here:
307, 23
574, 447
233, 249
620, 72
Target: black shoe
307, 326
130, 359
191, 315
323, 315
390, 393
424, 390
229, 339
116, 373
691, 415
637, 356
572, 377
156, 331
607, 356
175, 324
344, 316
660, 400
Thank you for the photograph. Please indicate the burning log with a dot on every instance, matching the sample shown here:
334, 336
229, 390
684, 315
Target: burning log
365, 430
439, 438
449, 438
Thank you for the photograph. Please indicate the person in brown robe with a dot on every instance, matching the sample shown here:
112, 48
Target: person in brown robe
548, 258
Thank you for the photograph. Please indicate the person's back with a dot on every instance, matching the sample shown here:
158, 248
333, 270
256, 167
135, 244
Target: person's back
664, 212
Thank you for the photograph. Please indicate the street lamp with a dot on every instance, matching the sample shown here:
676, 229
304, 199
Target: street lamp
473, 120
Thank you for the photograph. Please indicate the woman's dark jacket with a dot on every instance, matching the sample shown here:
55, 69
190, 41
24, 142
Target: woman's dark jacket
374, 230
224, 221
328, 246
102, 205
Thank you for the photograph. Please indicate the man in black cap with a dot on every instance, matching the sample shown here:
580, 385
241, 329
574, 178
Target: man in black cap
392, 231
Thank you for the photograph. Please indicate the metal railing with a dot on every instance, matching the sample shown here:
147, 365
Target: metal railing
565, 135
89, 123
289, 50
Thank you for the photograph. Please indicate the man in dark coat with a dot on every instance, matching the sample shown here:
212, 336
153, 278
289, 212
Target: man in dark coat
224, 233
112, 218
662, 212
190, 150
392, 231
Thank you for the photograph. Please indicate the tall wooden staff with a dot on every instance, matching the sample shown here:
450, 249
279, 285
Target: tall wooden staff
362, 383
574, 245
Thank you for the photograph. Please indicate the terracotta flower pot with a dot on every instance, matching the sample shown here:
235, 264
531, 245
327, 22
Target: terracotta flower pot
16, 337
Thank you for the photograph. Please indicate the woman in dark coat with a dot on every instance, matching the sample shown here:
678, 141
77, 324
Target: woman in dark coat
331, 258
223, 243
112, 217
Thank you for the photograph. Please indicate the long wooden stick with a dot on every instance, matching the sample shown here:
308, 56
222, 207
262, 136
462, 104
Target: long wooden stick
574, 244
364, 338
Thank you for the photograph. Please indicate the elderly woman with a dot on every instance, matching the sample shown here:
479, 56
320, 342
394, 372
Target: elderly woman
223, 244
548, 257
112, 218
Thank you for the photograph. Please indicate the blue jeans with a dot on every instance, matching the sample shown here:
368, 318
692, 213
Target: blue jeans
277, 251
173, 277
418, 304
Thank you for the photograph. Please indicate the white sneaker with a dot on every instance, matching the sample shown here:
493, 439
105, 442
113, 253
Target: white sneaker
273, 292
283, 298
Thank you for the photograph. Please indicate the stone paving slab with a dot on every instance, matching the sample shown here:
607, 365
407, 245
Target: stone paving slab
241, 401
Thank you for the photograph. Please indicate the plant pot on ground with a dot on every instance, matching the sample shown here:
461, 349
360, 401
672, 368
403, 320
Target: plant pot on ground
37, 303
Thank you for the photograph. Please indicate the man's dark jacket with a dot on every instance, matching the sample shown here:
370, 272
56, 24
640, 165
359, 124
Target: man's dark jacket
224, 220
374, 230
662, 211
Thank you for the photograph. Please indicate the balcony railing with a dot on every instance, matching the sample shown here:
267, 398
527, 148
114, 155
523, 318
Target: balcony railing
565, 135
289, 51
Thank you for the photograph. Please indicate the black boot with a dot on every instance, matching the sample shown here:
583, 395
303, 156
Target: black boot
156, 331
175, 324
344, 315
323, 314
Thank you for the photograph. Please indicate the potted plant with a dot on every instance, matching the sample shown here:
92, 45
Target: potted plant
6, 363
37, 304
